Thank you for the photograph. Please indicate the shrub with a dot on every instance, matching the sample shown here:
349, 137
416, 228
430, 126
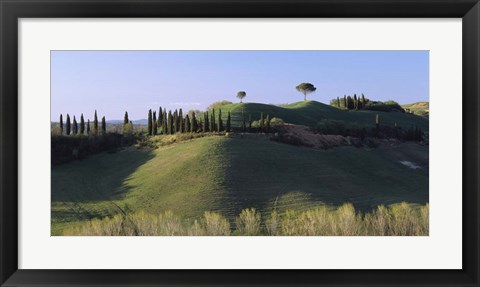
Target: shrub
401, 219
248, 222
216, 224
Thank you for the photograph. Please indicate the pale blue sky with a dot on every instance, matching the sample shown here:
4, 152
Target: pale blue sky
135, 81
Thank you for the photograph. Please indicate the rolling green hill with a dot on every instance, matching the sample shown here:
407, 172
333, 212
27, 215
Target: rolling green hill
228, 174
309, 113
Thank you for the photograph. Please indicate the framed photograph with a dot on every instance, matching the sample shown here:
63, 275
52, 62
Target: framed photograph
239, 143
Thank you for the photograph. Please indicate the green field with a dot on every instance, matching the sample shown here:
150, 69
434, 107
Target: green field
310, 113
228, 174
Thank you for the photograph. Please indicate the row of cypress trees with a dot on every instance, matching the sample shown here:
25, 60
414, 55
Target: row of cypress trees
175, 122
351, 103
74, 128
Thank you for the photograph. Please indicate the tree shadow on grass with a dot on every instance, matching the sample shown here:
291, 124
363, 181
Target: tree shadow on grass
98, 178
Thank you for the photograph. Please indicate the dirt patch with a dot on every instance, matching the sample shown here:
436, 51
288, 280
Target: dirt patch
302, 135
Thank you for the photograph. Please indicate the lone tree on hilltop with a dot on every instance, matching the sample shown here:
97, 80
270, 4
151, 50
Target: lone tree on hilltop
241, 95
305, 88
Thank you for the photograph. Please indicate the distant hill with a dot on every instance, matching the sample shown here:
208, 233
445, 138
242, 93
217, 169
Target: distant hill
310, 113
419, 108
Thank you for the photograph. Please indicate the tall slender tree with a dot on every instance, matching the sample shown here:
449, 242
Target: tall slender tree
75, 126
104, 126
170, 123
125, 118
175, 121
149, 123
67, 125
220, 123
154, 123
164, 123
194, 123
180, 121
82, 125
160, 117
88, 127
338, 102
187, 124
61, 124
205, 122
95, 124
345, 105
228, 122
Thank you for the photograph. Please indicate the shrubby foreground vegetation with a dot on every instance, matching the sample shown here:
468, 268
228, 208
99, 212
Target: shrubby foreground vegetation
400, 219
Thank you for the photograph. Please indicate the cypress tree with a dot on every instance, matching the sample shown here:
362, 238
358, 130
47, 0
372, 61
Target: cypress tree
75, 126
160, 117
205, 122
363, 101
67, 125
355, 102
180, 121
250, 122
95, 124
82, 125
187, 124
154, 123
175, 121
220, 124
104, 126
338, 102
345, 102
170, 123
125, 119
164, 123
212, 121
88, 127
228, 122
149, 123
61, 124
194, 123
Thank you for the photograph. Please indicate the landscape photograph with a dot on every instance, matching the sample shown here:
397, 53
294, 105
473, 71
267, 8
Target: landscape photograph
239, 143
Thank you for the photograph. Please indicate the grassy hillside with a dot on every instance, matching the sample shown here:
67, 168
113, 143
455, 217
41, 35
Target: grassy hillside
229, 174
419, 108
311, 112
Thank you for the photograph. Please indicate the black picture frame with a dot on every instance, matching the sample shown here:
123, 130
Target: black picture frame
11, 11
